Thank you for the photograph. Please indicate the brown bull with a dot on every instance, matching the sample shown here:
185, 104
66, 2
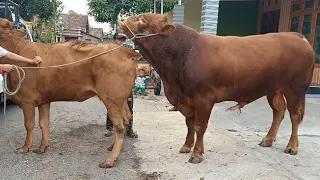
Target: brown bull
109, 76
199, 70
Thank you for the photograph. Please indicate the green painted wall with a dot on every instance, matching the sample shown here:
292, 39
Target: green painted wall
238, 18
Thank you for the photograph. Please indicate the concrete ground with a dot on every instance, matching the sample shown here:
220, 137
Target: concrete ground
231, 144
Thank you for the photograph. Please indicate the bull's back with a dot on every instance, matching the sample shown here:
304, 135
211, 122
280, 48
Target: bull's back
256, 65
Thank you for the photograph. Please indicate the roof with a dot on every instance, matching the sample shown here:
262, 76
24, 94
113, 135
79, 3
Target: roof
74, 21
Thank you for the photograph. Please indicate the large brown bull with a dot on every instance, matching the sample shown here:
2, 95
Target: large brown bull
199, 70
109, 76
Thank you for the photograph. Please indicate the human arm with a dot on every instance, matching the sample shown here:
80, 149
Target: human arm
18, 58
6, 67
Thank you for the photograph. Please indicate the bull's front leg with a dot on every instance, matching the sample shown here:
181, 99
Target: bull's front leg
44, 113
29, 115
186, 148
188, 112
202, 114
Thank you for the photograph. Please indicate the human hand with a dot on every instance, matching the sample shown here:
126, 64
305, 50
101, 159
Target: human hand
6, 67
36, 60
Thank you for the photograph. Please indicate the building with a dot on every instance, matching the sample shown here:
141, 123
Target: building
76, 26
243, 17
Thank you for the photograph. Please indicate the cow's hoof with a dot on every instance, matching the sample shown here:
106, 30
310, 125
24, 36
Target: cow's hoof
291, 151
185, 149
41, 150
195, 160
105, 165
21, 151
266, 143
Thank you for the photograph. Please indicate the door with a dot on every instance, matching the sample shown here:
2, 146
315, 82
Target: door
269, 22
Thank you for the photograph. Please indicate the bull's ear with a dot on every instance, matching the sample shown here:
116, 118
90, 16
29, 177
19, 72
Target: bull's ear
167, 29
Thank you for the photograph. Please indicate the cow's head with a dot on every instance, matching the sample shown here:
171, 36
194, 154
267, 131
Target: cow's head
149, 23
7, 34
5, 27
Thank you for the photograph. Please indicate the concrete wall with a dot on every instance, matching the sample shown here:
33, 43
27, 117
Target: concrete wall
170, 16
192, 14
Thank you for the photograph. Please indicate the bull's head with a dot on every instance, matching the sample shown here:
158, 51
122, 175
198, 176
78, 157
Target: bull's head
146, 23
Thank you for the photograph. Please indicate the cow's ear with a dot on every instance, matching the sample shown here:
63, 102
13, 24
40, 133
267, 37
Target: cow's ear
132, 54
167, 29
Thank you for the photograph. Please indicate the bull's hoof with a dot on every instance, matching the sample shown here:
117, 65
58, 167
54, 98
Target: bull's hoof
41, 150
266, 143
21, 150
185, 149
195, 159
105, 165
291, 151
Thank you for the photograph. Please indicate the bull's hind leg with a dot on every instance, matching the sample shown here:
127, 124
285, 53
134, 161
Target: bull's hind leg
278, 105
296, 106
44, 113
29, 115
116, 112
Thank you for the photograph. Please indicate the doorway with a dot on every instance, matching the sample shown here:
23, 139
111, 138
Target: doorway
269, 21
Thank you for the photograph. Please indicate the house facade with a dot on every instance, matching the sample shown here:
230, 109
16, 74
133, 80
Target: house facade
244, 17
76, 27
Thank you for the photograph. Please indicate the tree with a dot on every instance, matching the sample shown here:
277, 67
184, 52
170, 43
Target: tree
46, 9
72, 12
110, 10
46, 28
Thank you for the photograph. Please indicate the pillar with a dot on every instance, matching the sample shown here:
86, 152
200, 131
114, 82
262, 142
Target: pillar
178, 14
209, 16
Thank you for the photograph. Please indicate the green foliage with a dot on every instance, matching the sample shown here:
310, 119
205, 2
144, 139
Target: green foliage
110, 10
46, 9
46, 29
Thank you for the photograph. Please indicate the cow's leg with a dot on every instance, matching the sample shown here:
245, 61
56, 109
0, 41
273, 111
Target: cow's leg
29, 115
296, 107
278, 105
186, 148
128, 116
202, 114
44, 113
115, 108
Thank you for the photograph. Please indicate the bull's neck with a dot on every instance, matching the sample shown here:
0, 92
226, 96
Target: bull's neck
168, 54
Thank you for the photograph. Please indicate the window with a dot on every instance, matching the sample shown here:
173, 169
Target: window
306, 26
296, 7
316, 44
308, 4
305, 19
294, 24
269, 2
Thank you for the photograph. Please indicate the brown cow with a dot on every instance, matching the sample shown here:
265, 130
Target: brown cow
199, 70
101, 76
